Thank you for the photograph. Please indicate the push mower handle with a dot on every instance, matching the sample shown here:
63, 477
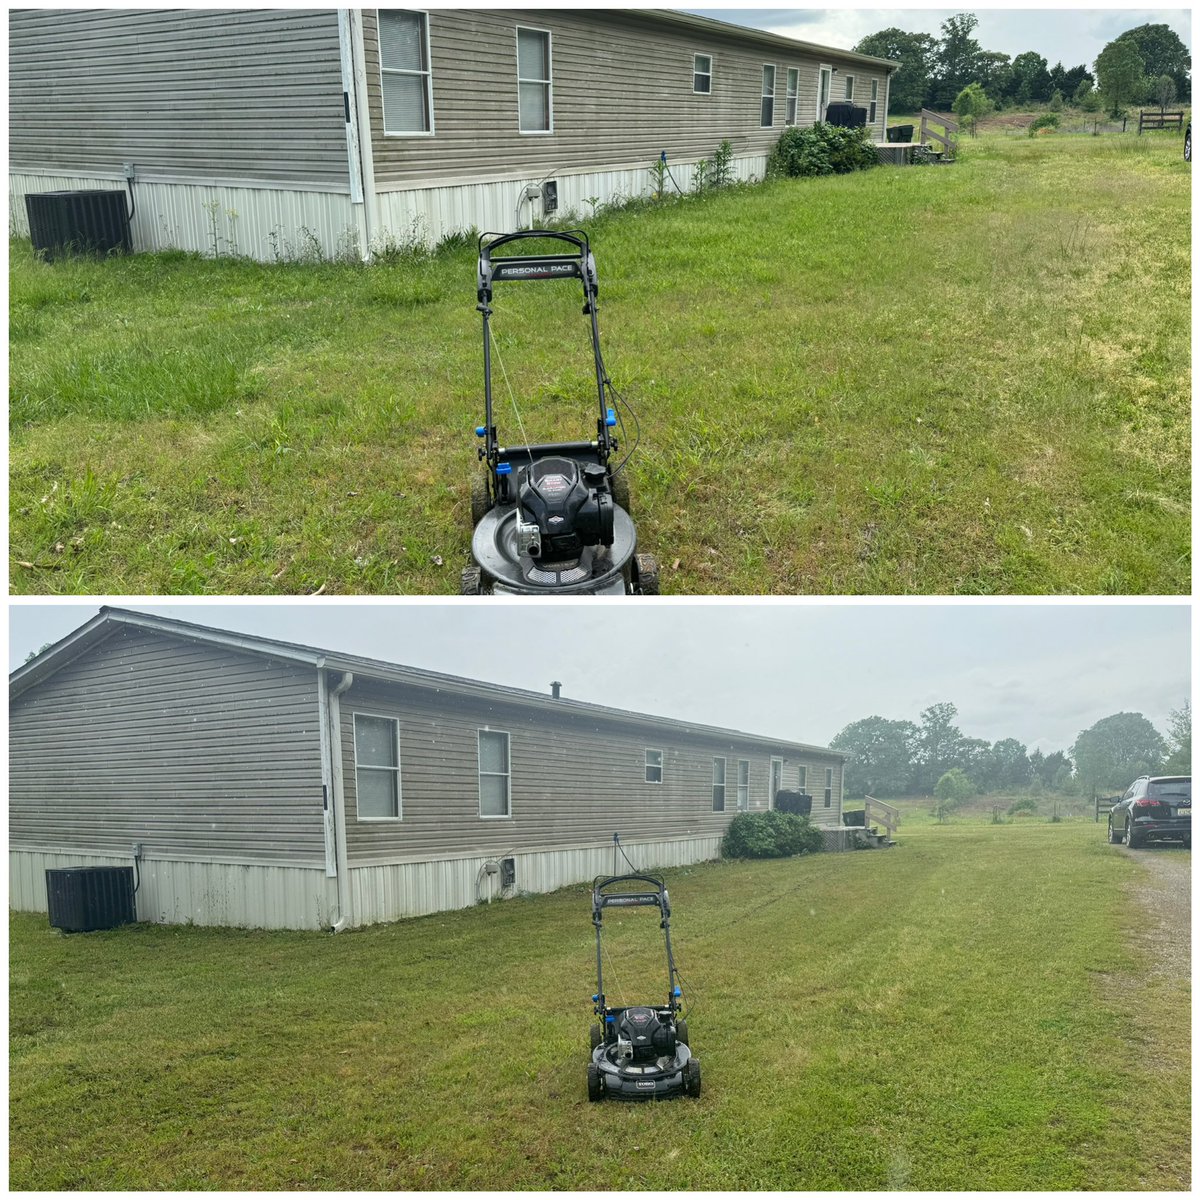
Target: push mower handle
577, 237
601, 899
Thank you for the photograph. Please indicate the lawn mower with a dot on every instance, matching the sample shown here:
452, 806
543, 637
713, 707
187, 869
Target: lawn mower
551, 519
639, 1052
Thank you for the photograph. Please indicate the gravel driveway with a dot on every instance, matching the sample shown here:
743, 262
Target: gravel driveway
1164, 891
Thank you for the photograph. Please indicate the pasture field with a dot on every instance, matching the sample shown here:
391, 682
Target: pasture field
953, 1013
963, 379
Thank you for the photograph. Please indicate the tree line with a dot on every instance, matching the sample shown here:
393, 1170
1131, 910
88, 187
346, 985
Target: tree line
1141, 64
889, 758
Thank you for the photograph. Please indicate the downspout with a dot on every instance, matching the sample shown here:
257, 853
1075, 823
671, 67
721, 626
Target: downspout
360, 110
353, 150
344, 894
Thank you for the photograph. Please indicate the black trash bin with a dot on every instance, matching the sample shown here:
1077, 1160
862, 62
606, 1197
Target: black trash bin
793, 802
900, 133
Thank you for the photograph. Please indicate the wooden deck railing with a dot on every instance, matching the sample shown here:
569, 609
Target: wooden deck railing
949, 126
879, 812
1160, 120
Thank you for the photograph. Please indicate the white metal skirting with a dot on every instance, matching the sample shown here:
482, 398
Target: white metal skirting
282, 224
174, 892
428, 214
268, 224
396, 890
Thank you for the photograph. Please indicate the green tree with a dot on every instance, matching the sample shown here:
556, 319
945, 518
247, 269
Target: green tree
970, 104
881, 756
1163, 90
1057, 101
938, 740
951, 790
915, 52
1121, 74
1115, 751
1030, 78
958, 58
1010, 765
1179, 739
994, 71
1163, 53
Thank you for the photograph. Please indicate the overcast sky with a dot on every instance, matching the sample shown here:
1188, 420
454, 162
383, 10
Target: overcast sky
1037, 672
1066, 35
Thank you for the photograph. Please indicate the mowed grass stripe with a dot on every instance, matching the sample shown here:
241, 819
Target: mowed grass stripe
927, 1017
971, 379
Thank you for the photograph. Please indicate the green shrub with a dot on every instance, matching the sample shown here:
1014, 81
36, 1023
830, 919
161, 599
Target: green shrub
770, 835
821, 150
1025, 804
1045, 121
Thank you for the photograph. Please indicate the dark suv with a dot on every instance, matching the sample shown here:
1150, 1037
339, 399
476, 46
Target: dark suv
1156, 808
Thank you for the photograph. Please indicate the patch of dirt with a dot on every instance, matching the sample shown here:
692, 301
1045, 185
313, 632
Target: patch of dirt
1164, 893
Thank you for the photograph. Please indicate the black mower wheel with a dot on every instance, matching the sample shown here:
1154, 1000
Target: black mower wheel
620, 490
597, 1036
481, 498
472, 582
595, 1087
681, 1033
691, 1077
647, 575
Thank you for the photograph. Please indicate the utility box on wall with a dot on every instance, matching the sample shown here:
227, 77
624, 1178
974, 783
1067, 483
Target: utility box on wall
81, 899
90, 222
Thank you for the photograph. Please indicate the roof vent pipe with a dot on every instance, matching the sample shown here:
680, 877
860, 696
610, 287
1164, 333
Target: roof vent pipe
555, 688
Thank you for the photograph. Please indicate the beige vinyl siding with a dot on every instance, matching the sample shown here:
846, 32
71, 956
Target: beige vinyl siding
576, 778
622, 92
192, 750
236, 94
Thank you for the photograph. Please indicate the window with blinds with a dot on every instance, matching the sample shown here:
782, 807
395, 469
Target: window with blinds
793, 88
533, 81
767, 115
495, 775
404, 71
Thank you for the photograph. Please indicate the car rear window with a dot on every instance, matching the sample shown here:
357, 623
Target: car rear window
1173, 789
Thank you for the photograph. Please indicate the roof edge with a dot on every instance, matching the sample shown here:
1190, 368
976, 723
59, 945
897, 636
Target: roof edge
712, 25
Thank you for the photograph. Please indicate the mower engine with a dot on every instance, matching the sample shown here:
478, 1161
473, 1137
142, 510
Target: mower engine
643, 1036
563, 508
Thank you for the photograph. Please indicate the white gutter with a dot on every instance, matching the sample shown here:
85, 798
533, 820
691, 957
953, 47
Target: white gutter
327, 805
350, 104
345, 917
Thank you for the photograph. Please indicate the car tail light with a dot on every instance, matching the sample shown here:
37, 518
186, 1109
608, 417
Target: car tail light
1146, 802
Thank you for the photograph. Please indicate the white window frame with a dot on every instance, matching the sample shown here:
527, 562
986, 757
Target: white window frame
802, 779
849, 87
360, 767
791, 95
427, 73
874, 102
743, 789
771, 779
653, 766
828, 787
548, 82
823, 69
708, 73
767, 96
506, 775
717, 758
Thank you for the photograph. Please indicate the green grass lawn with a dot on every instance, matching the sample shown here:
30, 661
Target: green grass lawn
966, 379
941, 1015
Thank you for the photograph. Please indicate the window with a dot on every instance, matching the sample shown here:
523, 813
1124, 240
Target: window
793, 86
743, 799
874, 101
404, 72
494, 774
702, 74
718, 785
828, 787
824, 91
776, 781
377, 767
849, 87
802, 779
654, 766
533, 81
767, 116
